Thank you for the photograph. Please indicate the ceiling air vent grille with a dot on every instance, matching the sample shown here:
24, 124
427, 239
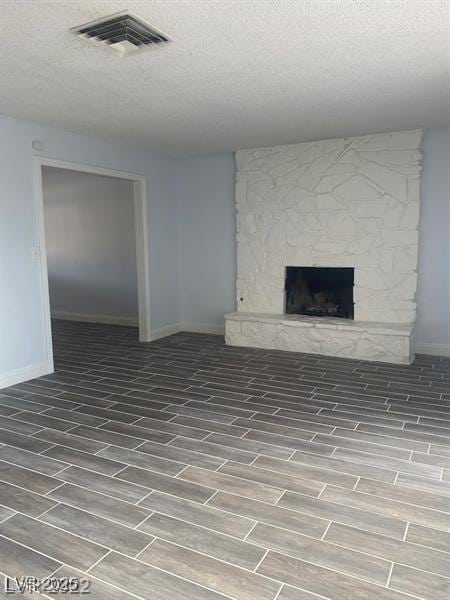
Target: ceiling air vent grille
121, 31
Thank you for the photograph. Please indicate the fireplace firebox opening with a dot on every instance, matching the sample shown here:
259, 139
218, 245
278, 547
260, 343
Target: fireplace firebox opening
319, 291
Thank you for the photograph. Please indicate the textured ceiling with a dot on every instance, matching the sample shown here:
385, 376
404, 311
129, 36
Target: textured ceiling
239, 73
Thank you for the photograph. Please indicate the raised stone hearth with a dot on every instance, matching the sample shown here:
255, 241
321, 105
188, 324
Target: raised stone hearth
334, 337
351, 202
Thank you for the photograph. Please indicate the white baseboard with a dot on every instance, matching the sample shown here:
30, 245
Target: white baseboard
203, 328
89, 318
20, 375
434, 349
164, 331
187, 326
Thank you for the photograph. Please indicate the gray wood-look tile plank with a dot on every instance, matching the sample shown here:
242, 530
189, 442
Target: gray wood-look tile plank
203, 540
24, 501
355, 416
17, 426
107, 436
122, 411
100, 504
420, 584
168, 485
322, 581
440, 450
288, 442
254, 446
232, 484
106, 414
97, 529
85, 460
385, 462
221, 409
137, 458
272, 515
357, 467
325, 417
98, 590
251, 404
27, 479
51, 541
277, 480
172, 427
290, 593
372, 448
396, 551
321, 553
209, 572
210, 426
104, 484
278, 428
18, 561
198, 514
131, 436
307, 471
54, 437
31, 460
431, 459
404, 494
5, 513
22, 441
388, 507
424, 484
21, 404
405, 434
75, 416
427, 536
387, 439
6, 411
347, 515
44, 420
181, 455
200, 411
206, 447
147, 582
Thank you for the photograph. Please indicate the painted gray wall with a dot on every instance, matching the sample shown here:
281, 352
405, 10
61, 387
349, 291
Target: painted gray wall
91, 244
433, 288
206, 222
22, 341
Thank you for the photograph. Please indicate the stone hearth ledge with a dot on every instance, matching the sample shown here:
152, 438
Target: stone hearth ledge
361, 340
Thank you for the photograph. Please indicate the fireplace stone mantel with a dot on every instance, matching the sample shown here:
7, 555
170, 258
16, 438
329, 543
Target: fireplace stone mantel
351, 202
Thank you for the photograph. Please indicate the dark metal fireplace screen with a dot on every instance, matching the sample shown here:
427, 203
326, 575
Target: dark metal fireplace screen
319, 291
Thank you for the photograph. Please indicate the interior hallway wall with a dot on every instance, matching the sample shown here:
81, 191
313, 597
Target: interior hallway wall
22, 341
433, 285
206, 223
91, 246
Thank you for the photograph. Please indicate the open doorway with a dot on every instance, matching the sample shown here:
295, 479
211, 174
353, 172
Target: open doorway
93, 246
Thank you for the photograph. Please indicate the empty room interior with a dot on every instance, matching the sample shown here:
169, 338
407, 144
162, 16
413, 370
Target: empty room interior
225, 299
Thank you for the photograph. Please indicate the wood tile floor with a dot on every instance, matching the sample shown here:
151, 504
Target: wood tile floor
187, 470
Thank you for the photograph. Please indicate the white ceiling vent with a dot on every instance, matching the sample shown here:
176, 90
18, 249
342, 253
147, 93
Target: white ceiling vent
122, 31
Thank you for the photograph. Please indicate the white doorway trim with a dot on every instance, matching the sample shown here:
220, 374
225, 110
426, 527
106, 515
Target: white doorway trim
141, 233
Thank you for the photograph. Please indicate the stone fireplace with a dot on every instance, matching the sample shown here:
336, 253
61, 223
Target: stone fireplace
327, 241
